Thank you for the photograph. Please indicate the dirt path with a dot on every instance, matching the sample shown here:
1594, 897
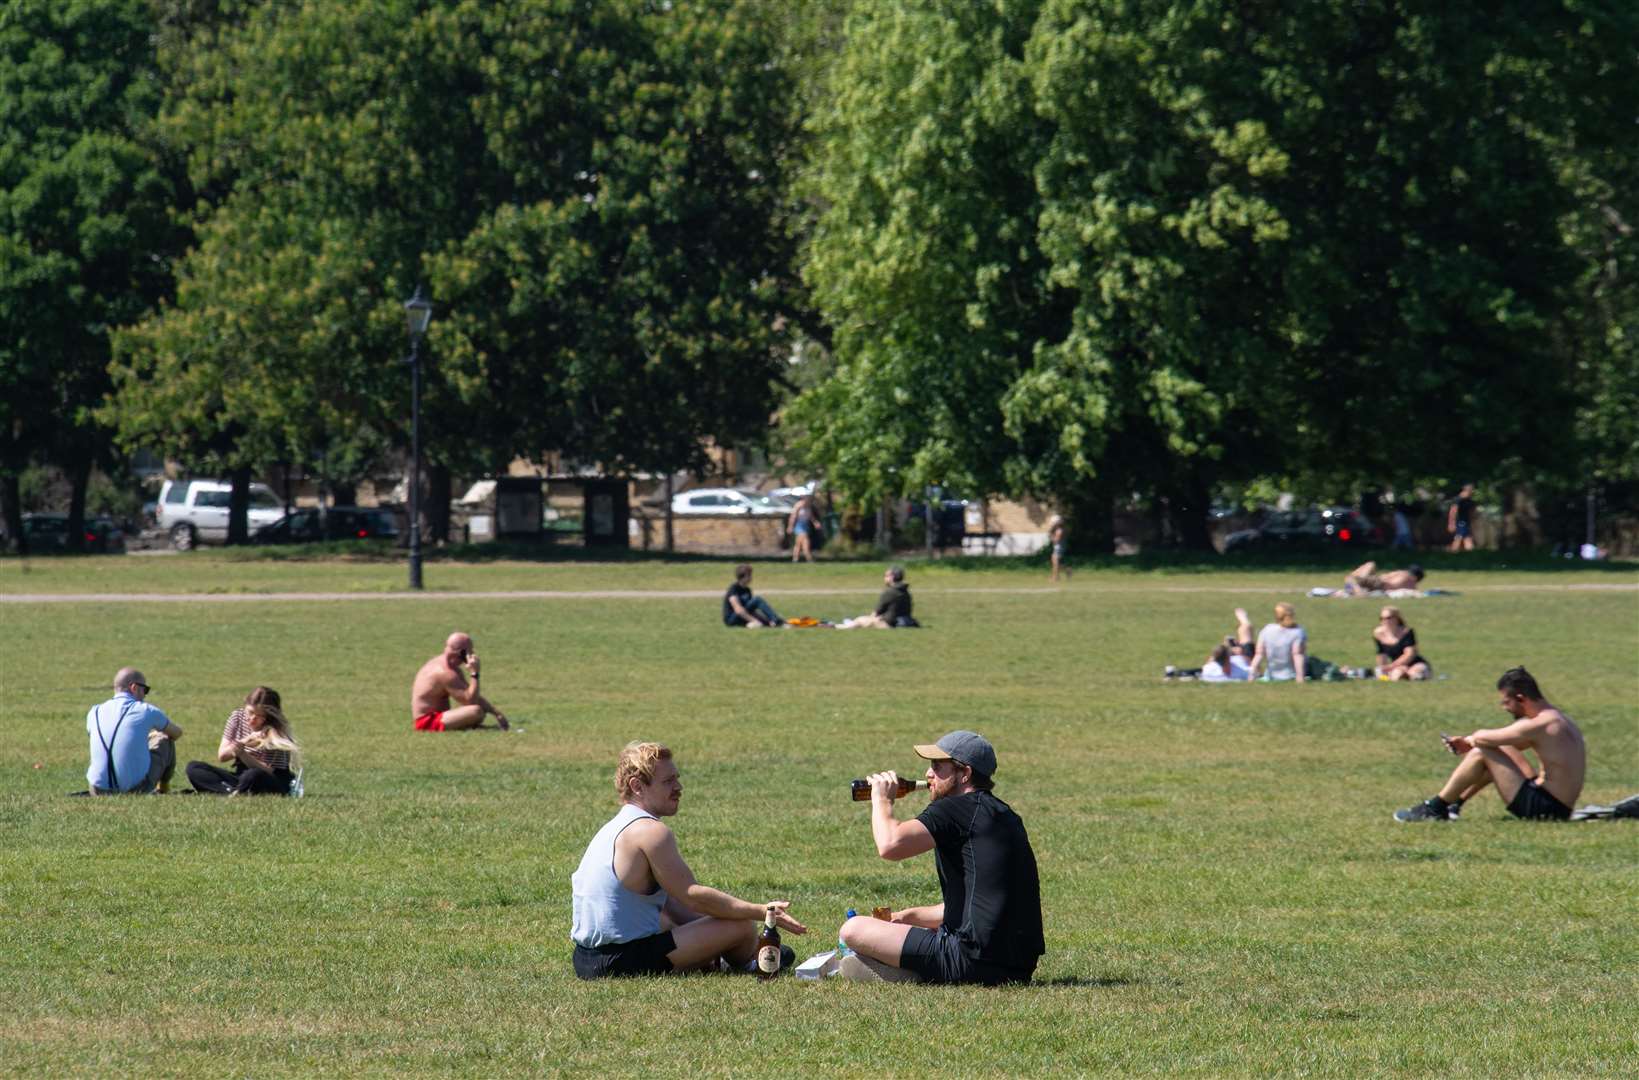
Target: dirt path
698, 594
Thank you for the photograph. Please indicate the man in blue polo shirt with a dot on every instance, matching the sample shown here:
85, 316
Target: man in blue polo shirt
133, 744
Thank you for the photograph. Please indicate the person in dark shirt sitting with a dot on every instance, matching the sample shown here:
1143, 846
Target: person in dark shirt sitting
893, 606
741, 608
1397, 656
987, 929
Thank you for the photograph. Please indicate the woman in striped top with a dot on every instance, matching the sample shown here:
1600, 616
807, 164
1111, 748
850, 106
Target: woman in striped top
257, 740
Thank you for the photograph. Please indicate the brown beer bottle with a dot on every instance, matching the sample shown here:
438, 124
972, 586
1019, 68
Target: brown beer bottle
768, 948
862, 789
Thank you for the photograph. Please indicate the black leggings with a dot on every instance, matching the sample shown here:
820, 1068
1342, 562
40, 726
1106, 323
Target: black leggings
210, 780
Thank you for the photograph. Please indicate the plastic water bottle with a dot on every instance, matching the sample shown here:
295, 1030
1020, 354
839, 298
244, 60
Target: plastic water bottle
843, 950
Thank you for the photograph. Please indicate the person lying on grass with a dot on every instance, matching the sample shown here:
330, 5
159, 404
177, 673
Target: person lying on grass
258, 741
1543, 792
1229, 660
637, 907
1365, 579
987, 929
440, 679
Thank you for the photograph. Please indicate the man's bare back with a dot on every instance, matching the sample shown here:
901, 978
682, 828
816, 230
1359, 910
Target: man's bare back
1557, 743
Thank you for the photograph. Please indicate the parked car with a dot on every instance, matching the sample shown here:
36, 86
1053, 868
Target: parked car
49, 532
307, 525
196, 511
1317, 527
728, 501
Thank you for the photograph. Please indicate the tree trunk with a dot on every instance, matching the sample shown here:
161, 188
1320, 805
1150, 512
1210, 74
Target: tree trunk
1188, 510
435, 506
79, 478
670, 488
1089, 515
11, 504
344, 494
239, 507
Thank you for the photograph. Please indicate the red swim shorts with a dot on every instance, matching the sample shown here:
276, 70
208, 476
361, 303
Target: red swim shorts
433, 721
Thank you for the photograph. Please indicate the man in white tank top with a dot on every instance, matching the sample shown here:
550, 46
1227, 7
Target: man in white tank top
637, 908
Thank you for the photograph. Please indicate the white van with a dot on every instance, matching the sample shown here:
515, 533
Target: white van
196, 511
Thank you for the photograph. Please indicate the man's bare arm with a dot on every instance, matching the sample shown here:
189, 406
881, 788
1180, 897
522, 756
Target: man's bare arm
1521, 733
659, 846
930, 917
895, 839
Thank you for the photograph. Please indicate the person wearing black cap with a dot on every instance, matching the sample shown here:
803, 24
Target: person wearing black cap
988, 927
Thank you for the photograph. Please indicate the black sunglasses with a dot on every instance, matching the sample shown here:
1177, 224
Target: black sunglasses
145, 687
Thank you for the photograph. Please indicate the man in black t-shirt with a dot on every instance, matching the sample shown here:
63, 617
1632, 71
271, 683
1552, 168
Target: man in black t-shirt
741, 608
988, 927
893, 606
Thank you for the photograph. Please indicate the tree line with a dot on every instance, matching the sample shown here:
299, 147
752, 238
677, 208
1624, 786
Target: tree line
1084, 250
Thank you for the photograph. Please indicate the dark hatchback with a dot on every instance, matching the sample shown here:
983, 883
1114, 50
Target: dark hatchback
308, 526
1315, 528
49, 532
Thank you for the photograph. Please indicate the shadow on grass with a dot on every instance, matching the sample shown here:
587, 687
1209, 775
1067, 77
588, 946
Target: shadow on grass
1083, 981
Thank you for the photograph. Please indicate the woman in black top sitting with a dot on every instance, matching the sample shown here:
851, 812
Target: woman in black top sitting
1397, 657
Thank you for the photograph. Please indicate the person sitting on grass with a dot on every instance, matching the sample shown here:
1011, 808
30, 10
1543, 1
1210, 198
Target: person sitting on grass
1282, 653
741, 608
893, 606
987, 929
133, 744
638, 909
1544, 792
1229, 659
441, 679
1397, 656
258, 741
1365, 579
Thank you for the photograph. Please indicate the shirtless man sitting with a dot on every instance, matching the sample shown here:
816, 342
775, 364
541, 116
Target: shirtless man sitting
1365, 579
1496, 756
441, 679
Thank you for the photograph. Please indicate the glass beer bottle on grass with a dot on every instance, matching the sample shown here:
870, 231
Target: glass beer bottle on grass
862, 789
768, 948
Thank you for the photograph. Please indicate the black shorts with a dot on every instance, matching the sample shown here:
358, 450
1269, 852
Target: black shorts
645, 956
1535, 803
937, 956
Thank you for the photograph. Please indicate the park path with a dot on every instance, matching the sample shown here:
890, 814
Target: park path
703, 594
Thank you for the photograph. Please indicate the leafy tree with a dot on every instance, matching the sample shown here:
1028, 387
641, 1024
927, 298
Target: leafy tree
1083, 249
589, 190
85, 230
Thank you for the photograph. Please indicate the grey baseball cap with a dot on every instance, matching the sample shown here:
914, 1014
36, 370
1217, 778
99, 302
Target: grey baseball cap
965, 748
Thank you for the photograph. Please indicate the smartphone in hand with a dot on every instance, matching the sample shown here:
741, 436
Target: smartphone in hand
1447, 740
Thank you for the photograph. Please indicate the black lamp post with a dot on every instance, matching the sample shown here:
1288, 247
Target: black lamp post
417, 313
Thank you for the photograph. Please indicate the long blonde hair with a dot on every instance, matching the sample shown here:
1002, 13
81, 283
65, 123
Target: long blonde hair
1286, 615
275, 733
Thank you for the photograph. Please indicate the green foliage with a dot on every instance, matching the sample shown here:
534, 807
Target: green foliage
588, 190
1148, 246
85, 228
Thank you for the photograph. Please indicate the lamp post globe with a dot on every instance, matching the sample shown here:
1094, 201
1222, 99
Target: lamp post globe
417, 313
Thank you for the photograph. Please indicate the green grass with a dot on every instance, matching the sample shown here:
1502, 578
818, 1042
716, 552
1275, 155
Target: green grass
1223, 888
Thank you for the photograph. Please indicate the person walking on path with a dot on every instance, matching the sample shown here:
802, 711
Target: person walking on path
1057, 535
801, 525
1460, 521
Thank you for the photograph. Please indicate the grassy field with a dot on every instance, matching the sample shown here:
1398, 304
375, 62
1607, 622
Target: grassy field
1223, 888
